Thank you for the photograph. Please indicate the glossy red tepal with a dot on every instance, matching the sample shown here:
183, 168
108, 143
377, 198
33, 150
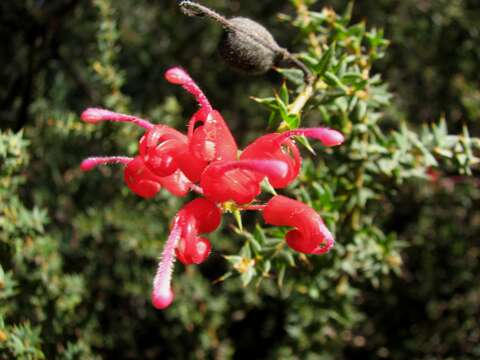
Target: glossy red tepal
140, 179
279, 146
159, 148
239, 180
165, 150
310, 235
200, 216
269, 148
212, 140
144, 183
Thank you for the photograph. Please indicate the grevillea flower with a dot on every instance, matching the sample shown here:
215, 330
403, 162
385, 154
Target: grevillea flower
281, 147
200, 216
310, 235
206, 160
139, 178
239, 180
212, 140
197, 217
162, 148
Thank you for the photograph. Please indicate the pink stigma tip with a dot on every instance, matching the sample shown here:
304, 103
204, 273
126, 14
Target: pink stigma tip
87, 165
162, 300
177, 75
94, 115
333, 138
328, 137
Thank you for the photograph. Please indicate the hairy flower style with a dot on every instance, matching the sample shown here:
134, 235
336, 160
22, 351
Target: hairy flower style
206, 160
197, 217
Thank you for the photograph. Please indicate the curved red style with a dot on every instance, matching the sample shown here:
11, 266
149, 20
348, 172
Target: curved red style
212, 140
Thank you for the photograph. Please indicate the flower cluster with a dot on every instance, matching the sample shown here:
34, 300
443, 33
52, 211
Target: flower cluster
206, 160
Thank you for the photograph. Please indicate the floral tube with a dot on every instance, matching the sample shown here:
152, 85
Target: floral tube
310, 235
279, 146
236, 180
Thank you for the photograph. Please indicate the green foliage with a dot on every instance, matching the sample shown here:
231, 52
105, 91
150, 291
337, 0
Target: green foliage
433, 59
38, 297
78, 253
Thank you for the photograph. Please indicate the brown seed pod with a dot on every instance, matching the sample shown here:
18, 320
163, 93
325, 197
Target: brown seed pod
240, 48
245, 45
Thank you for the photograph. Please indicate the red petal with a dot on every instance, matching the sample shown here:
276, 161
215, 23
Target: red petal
213, 140
310, 235
140, 180
237, 180
266, 147
198, 216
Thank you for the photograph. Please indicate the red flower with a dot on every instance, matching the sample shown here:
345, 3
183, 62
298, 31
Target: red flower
140, 179
212, 140
239, 180
206, 161
161, 148
197, 217
310, 236
281, 147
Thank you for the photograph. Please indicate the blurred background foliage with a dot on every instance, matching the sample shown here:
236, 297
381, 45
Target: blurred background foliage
78, 252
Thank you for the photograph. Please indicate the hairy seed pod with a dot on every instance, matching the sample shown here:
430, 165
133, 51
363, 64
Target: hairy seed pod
245, 44
248, 46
